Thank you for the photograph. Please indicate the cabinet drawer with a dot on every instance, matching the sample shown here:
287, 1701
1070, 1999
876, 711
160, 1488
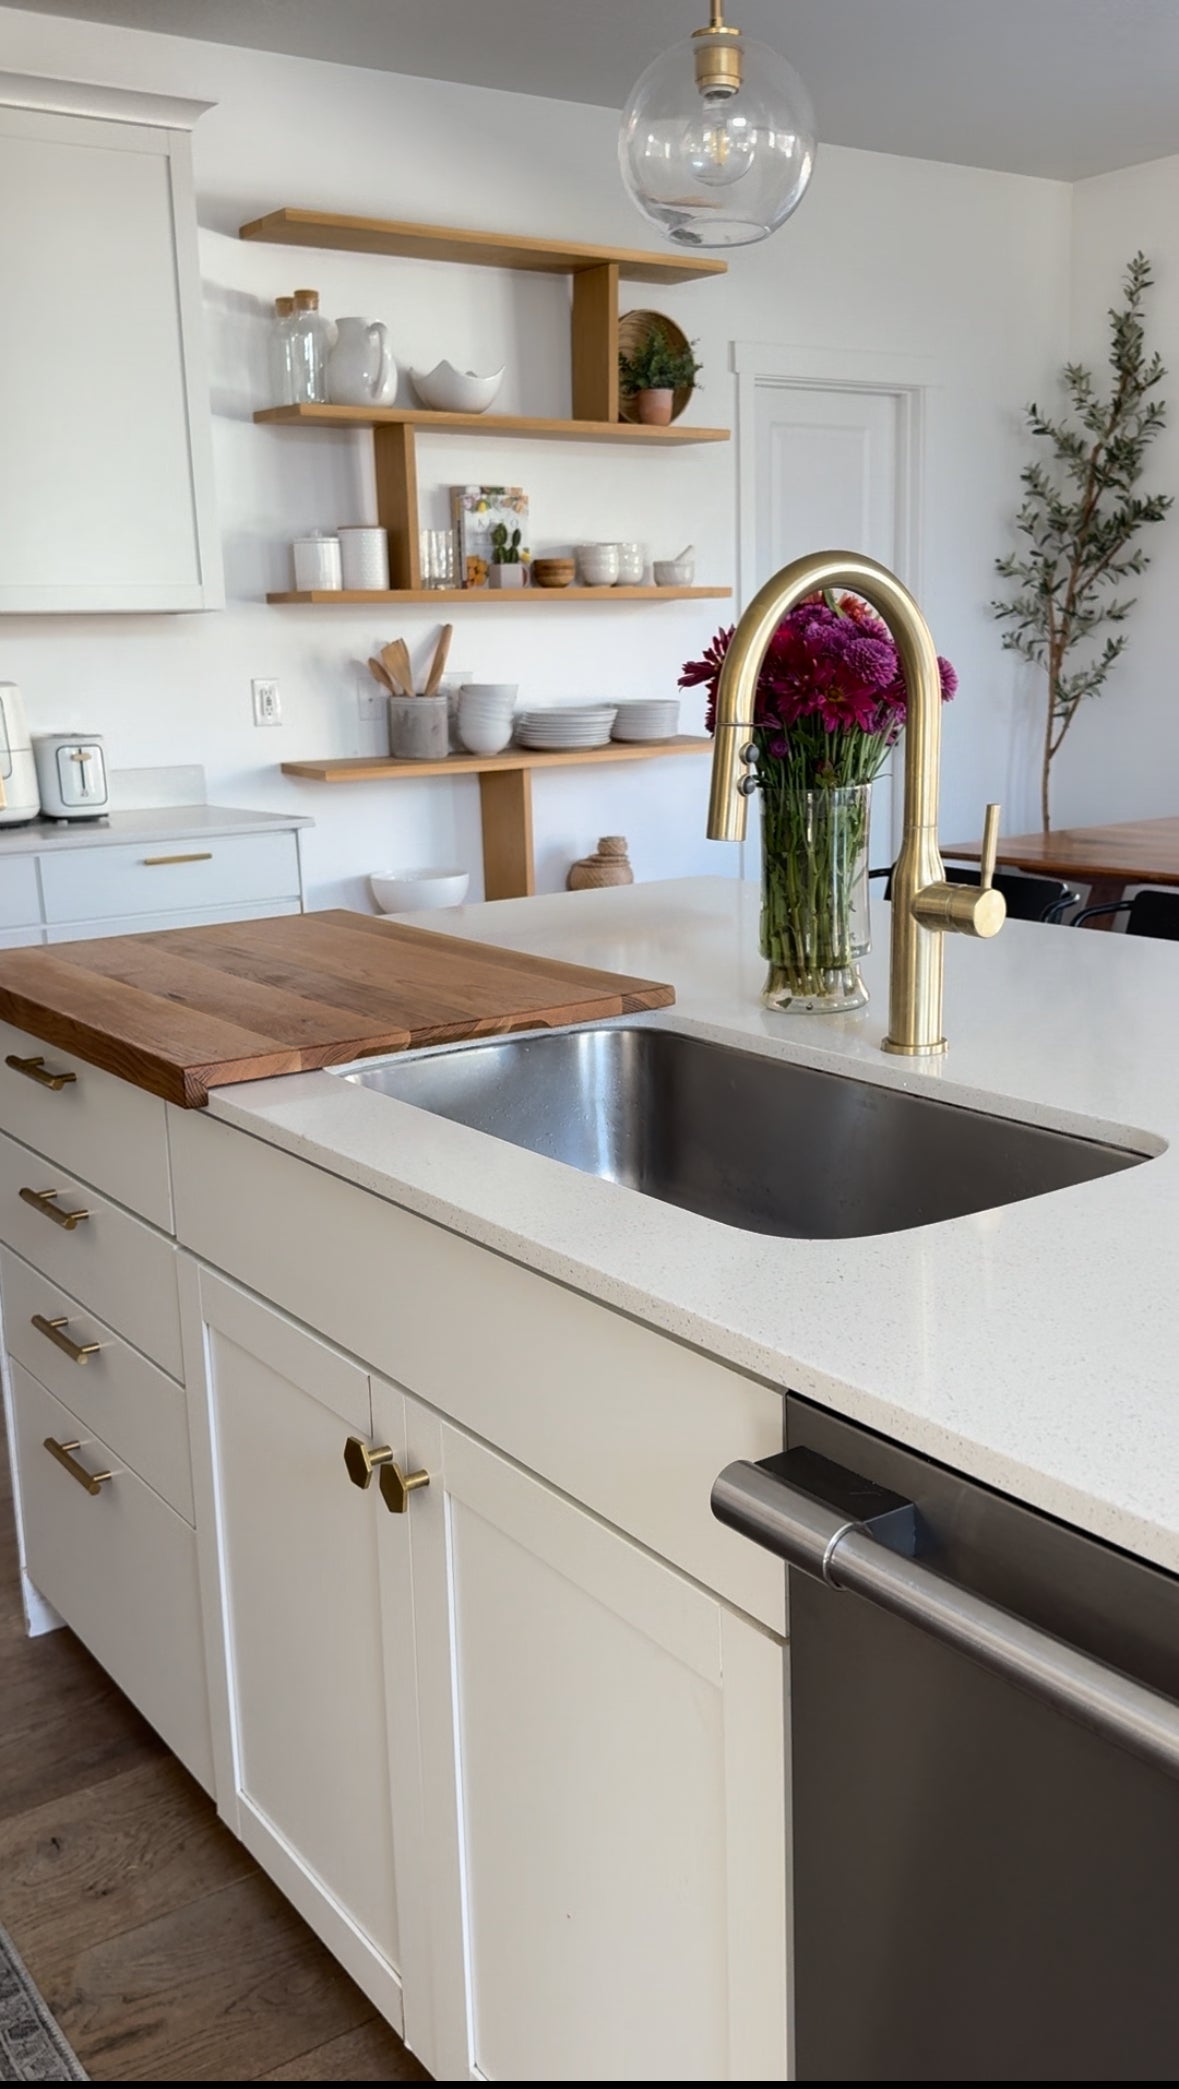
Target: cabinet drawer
110, 1262
120, 1566
96, 1125
20, 900
158, 877
114, 1390
186, 917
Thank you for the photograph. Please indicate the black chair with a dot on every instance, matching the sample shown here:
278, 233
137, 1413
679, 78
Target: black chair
1147, 914
1028, 898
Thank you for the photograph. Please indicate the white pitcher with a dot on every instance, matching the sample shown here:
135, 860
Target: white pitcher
360, 369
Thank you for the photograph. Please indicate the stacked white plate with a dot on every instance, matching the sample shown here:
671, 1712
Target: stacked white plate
648, 718
566, 728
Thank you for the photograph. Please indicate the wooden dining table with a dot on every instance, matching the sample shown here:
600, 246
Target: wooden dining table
1106, 859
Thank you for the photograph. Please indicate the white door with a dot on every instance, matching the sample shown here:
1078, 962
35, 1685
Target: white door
828, 478
603, 1790
296, 1575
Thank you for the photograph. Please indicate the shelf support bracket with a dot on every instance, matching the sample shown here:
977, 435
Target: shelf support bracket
395, 458
595, 343
505, 802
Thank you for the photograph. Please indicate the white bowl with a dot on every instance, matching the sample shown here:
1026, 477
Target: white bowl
448, 390
674, 573
598, 565
400, 891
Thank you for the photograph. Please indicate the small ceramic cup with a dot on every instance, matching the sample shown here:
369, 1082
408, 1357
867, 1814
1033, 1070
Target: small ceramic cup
598, 564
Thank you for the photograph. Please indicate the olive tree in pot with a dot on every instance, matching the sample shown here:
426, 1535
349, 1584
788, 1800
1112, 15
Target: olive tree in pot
653, 375
506, 570
1079, 521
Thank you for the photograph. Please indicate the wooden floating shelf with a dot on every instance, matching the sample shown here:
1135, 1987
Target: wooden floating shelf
377, 768
483, 597
505, 793
405, 242
486, 424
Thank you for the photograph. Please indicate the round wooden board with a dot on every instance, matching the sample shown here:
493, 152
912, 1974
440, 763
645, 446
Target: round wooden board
633, 328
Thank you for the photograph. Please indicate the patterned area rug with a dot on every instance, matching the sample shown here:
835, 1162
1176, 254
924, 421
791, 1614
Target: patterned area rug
32, 2048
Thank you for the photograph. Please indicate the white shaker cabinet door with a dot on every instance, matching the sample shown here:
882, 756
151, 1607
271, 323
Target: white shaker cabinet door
290, 1567
105, 475
603, 1845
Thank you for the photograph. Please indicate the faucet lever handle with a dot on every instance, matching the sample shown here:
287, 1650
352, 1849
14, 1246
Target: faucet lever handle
990, 847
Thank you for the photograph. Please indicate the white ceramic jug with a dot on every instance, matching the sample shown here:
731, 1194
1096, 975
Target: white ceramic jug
360, 369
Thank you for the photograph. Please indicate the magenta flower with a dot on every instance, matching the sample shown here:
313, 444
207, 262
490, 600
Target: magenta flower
831, 692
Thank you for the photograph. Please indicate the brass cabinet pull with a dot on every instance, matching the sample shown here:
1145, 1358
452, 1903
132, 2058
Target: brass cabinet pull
93, 1482
197, 856
363, 1462
36, 1070
42, 1201
397, 1486
78, 1352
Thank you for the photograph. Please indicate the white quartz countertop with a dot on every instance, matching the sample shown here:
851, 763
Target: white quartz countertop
154, 823
1035, 1347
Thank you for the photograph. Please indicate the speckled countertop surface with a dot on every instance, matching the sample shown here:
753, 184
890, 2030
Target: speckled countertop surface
1035, 1347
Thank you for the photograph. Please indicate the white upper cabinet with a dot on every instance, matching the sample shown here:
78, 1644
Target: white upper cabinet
106, 492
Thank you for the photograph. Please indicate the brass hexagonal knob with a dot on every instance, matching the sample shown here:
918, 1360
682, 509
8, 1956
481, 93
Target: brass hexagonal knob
397, 1486
362, 1461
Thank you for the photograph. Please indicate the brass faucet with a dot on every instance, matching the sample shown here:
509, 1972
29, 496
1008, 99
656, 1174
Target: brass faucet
925, 906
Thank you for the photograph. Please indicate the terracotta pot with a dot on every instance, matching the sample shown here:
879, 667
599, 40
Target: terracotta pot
654, 409
609, 865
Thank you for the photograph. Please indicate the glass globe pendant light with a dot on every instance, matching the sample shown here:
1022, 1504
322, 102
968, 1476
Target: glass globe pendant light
717, 144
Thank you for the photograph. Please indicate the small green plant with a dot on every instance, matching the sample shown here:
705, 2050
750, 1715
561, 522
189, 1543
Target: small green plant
657, 365
505, 550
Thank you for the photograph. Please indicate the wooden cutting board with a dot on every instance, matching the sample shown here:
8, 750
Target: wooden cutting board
189, 1009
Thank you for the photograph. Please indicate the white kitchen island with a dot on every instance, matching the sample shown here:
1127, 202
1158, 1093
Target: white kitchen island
514, 1739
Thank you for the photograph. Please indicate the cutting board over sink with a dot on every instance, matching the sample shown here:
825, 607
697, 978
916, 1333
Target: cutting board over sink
186, 1010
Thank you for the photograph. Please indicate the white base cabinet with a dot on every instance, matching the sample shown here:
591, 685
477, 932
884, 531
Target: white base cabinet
304, 1768
602, 1789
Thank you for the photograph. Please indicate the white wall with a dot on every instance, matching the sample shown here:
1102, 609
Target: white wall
899, 256
1121, 759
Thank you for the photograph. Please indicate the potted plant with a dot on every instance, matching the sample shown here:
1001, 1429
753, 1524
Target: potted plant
653, 375
507, 569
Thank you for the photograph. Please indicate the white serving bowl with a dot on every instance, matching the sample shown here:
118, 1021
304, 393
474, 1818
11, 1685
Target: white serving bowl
674, 573
400, 891
598, 565
448, 390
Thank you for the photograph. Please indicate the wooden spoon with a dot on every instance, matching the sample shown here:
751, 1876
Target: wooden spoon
438, 664
381, 675
391, 657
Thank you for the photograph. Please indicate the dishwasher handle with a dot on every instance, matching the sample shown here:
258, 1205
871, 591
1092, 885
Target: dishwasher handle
839, 1549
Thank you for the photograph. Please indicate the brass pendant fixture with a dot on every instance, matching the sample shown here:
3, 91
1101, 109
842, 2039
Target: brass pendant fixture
717, 144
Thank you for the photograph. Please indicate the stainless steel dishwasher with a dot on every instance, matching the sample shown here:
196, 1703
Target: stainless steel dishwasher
985, 1774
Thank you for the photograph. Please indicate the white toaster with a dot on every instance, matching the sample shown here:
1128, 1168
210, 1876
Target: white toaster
71, 771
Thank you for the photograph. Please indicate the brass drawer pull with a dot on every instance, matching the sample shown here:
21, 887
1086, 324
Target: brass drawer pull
78, 1352
93, 1482
42, 1201
395, 1485
197, 856
36, 1070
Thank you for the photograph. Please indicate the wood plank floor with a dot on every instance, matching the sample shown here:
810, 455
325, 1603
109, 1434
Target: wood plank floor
161, 1948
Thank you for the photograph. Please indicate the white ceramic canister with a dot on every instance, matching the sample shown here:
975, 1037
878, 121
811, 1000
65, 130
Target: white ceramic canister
364, 553
317, 563
419, 728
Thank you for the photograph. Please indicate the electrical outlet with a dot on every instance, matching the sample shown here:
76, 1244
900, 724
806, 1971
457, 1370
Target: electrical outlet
370, 702
267, 703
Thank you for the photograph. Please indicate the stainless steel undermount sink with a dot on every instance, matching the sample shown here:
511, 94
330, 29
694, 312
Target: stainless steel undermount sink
755, 1142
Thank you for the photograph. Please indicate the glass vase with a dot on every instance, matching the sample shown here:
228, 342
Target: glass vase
814, 905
